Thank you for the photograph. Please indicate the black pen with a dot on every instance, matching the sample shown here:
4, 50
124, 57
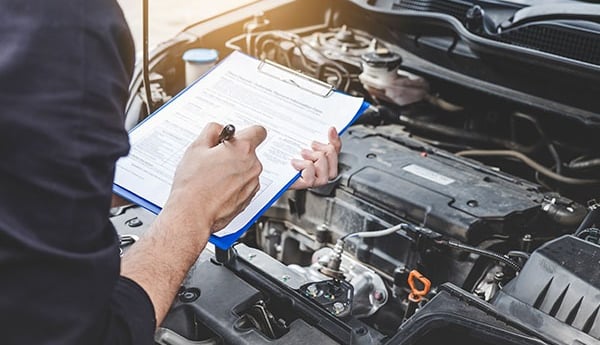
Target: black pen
226, 133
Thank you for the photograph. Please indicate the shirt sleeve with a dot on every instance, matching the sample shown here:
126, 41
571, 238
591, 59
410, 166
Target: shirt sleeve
132, 315
65, 67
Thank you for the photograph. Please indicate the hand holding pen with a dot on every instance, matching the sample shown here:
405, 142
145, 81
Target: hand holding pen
215, 182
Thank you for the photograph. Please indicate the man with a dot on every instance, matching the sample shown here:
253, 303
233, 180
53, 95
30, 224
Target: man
64, 70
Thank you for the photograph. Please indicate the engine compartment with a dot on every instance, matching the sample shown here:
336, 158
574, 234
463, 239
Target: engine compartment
456, 178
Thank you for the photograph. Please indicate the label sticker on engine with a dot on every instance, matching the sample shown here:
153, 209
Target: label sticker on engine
428, 174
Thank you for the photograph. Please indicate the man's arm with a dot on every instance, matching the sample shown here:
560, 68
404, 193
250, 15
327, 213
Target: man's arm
213, 183
203, 199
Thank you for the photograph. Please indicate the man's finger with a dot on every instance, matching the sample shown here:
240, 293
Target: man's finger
307, 178
255, 134
313, 155
334, 139
209, 137
332, 157
325, 162
321, 171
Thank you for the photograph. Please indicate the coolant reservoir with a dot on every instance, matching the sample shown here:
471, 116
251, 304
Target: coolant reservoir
197, 62
383, 79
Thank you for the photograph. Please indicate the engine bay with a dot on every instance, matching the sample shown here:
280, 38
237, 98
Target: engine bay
463, 211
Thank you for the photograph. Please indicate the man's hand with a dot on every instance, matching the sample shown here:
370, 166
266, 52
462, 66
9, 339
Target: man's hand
212, 184
319, 165
216, 182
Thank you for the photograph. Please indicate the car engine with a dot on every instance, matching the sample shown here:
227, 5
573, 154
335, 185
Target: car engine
464, 208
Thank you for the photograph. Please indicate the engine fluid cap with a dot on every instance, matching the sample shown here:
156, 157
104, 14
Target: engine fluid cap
201, 56
417, 294
382, 58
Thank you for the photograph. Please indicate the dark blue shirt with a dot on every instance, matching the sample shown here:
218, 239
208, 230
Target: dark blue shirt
65, 66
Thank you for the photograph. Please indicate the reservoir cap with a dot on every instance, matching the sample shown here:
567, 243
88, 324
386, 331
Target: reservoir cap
201, 56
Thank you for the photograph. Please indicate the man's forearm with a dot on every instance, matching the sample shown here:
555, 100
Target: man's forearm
212, 184
161, 259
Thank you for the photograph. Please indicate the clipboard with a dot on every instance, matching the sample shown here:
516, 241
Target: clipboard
271, 69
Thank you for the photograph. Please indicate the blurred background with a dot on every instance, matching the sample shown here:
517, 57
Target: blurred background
168, 17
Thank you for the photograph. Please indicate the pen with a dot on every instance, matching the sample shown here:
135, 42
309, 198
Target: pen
226, 133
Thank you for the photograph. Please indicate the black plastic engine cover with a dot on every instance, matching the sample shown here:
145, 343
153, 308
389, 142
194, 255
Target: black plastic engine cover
216, 312
558, 292
457, 197
443, 321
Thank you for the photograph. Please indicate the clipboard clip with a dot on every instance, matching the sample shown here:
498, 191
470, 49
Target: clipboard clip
296, 78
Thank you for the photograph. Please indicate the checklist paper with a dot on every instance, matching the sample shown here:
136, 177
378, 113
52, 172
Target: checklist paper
242, 92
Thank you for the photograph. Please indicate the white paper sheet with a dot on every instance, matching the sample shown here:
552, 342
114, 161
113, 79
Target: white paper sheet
234, 92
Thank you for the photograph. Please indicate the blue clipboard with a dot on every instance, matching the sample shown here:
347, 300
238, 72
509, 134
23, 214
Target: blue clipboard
227, 241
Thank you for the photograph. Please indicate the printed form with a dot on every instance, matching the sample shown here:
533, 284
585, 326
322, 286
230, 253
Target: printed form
235, 92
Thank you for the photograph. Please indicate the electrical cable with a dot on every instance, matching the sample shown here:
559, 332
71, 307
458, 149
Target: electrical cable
482, 252
278, 50
592, 219
586, 232
467, 248
453, 132
581, 164
443, 104
145, 58
304, 59
292, 38
590, 235
331, 62
529, 162
518, 254
443, 144
321, 74
229, 43
545, 139
378, 233
335, 260
287, 37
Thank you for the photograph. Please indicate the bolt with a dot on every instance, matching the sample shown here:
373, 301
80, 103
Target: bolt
498, 276
134, 222
312, 290
378, 295
361, 331
285, 278
338, 308
527, 242
189, 295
